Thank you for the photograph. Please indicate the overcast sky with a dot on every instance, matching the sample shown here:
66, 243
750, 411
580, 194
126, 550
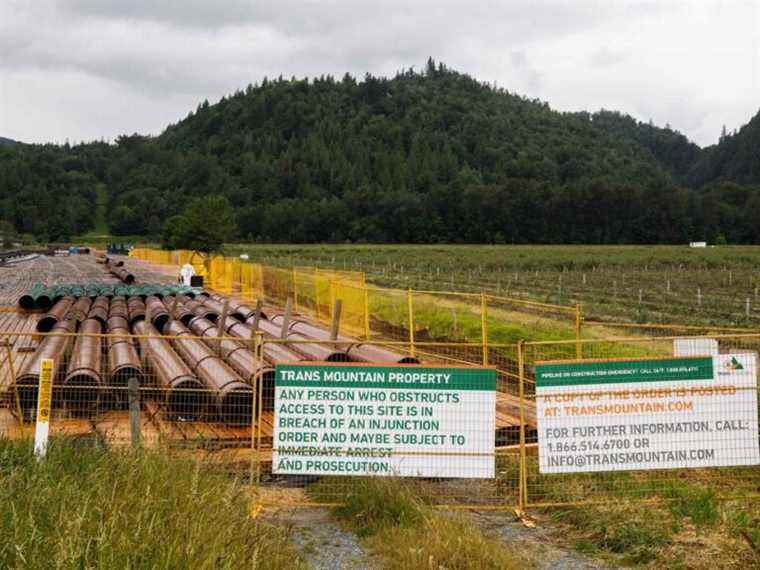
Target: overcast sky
91, 69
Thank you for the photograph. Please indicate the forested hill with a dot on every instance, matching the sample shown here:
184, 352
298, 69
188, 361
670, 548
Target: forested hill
422, 157
736, 157
7, 142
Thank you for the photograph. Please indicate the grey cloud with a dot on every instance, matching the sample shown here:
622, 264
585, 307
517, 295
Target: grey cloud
166, 55
606, 57
193, 45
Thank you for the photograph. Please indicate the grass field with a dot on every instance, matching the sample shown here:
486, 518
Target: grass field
85, 507
628, 283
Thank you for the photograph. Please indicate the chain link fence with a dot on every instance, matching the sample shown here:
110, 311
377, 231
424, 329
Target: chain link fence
214, 395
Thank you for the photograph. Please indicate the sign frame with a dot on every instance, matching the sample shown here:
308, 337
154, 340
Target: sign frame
404, 460
588, 417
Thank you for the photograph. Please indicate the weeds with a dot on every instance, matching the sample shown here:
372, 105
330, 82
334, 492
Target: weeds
398, 524
84, 507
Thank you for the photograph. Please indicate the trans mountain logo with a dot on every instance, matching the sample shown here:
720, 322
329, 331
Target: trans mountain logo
734, 365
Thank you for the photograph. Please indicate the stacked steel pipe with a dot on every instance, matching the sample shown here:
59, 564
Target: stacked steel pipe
99, 310
234, 398
273, 353
42, 297
239, 355
180, 390
81, 391
136, 309
48, 321
237, 309
123, 361
53, 346
311, 350
80, 309
177, 303
157, 311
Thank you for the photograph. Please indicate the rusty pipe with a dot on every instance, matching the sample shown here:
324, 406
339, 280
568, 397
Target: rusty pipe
308, 330
301, 344
196, 308
55, 315
121, 273
206, 313
237, 309
99, 310
239, 356
356, 351
80, 309
81, 385
136, 309
52, 346
377, 354
118, 308
180, 390
213, 305
123, 361
273, 353
158, 313
181, 312
234, 398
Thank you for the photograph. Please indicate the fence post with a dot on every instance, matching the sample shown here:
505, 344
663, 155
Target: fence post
221, 326
257, 350
295, 291
332, 296
578, 325
257, 315
316, 296
286, 320
17, 399
484, 326
366, 312
523, 470
133, 390
410, 308
335, 325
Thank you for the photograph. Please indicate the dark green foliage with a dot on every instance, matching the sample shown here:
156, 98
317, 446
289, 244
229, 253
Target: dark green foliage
203, 226
422, 157
735, 157
50, 191
671, 149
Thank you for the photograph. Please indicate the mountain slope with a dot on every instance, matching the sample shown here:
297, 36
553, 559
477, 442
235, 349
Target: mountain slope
7, 142
437, 114
672, 150
735, 158
421, 157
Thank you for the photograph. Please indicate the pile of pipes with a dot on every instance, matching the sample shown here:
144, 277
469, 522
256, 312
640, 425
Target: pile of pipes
118, 270
193, 352
10, 257
41, 296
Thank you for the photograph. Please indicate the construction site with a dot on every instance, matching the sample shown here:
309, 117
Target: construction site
140, 359
199, 363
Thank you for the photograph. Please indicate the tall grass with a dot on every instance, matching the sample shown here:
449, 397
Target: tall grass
617, 526
84, 507
404, 531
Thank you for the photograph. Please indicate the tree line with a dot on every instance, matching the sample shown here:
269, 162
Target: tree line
428, 156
